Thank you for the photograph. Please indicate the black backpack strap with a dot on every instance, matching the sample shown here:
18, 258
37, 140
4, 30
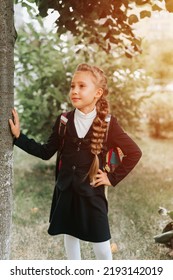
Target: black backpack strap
61, 132
104, 149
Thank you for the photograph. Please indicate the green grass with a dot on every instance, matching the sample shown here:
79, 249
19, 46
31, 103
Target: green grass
133, 207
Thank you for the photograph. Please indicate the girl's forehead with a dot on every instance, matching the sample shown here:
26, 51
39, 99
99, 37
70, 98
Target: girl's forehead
85, 76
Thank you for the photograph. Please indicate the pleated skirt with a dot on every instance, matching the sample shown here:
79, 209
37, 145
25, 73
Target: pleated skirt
84, 217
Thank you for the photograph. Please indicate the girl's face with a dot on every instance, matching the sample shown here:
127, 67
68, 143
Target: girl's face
84, 92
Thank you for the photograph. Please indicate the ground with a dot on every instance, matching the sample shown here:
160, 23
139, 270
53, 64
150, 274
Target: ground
133, 207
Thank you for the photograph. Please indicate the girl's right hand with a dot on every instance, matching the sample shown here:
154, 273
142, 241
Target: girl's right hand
15, 124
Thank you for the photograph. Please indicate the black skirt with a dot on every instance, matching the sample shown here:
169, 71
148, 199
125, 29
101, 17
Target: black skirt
84, 217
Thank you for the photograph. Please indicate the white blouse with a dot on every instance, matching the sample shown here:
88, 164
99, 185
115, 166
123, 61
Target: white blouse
83, 122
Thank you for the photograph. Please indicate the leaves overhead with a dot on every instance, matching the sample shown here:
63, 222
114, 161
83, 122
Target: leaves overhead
105, 23
169, 5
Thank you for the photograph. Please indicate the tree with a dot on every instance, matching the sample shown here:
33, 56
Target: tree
105, 23
7, 38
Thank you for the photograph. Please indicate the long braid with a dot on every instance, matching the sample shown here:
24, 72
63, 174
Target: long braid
99, 125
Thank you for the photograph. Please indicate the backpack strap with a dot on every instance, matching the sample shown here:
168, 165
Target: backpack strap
61, 132
62, 124
105, 154
108, 120
62, 129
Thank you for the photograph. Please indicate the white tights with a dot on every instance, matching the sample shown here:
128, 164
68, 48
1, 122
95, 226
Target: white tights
102, 250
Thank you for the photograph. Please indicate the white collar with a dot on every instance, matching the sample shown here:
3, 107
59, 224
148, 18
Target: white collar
81, 115
83, 121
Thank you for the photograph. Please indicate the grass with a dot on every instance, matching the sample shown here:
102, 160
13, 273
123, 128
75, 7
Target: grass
133, 207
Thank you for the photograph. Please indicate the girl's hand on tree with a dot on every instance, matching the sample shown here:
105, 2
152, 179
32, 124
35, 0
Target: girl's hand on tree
100, 179
15, 124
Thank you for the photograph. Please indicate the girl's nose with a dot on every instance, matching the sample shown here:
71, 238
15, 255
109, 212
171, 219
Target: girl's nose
75, 90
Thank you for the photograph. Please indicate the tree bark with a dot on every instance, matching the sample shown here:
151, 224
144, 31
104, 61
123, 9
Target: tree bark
7, 40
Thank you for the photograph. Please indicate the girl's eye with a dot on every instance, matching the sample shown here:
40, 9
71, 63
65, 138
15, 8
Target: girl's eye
79, 86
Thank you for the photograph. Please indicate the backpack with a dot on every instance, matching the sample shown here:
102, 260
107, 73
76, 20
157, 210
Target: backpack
113, 159
113, 156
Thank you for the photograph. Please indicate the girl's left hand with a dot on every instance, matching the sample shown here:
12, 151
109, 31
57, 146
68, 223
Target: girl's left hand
100, 179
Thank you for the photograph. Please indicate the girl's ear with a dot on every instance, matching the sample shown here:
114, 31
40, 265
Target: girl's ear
99, 93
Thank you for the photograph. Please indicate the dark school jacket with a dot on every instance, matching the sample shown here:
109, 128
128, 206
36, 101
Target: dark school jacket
77, 158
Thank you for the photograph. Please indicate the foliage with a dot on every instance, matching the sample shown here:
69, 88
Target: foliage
169, 5
158, 60
127, 93
42, 79
44, 66
160, 117
126, 77
106, 23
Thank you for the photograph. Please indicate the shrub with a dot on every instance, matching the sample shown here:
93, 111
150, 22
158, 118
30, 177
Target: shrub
160, 117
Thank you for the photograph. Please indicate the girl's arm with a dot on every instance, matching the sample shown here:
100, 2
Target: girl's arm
132, 153
44, 151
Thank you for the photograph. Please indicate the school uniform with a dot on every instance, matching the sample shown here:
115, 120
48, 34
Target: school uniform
78, 209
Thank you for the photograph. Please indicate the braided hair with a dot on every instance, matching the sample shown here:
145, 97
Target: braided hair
99, 125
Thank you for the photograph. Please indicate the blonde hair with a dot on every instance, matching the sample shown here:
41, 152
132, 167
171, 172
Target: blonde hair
99, 125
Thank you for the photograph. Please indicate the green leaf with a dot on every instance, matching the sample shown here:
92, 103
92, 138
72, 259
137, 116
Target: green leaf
43, 7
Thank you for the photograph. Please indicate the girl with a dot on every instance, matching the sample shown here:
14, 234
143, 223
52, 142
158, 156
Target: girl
79, 207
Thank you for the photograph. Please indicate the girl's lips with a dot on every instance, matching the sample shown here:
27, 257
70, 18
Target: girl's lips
75, 99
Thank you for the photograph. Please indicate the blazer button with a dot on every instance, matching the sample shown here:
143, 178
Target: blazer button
74, 167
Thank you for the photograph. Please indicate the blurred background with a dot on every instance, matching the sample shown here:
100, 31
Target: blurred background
141, 97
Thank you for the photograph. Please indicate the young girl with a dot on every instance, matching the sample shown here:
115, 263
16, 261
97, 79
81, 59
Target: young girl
79, 207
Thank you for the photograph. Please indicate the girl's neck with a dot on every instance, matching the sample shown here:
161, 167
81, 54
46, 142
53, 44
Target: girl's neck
87, 112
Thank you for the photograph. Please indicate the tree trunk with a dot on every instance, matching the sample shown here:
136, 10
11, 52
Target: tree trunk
7, 39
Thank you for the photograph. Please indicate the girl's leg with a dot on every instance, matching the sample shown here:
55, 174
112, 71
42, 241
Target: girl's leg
102, 250
72, 247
